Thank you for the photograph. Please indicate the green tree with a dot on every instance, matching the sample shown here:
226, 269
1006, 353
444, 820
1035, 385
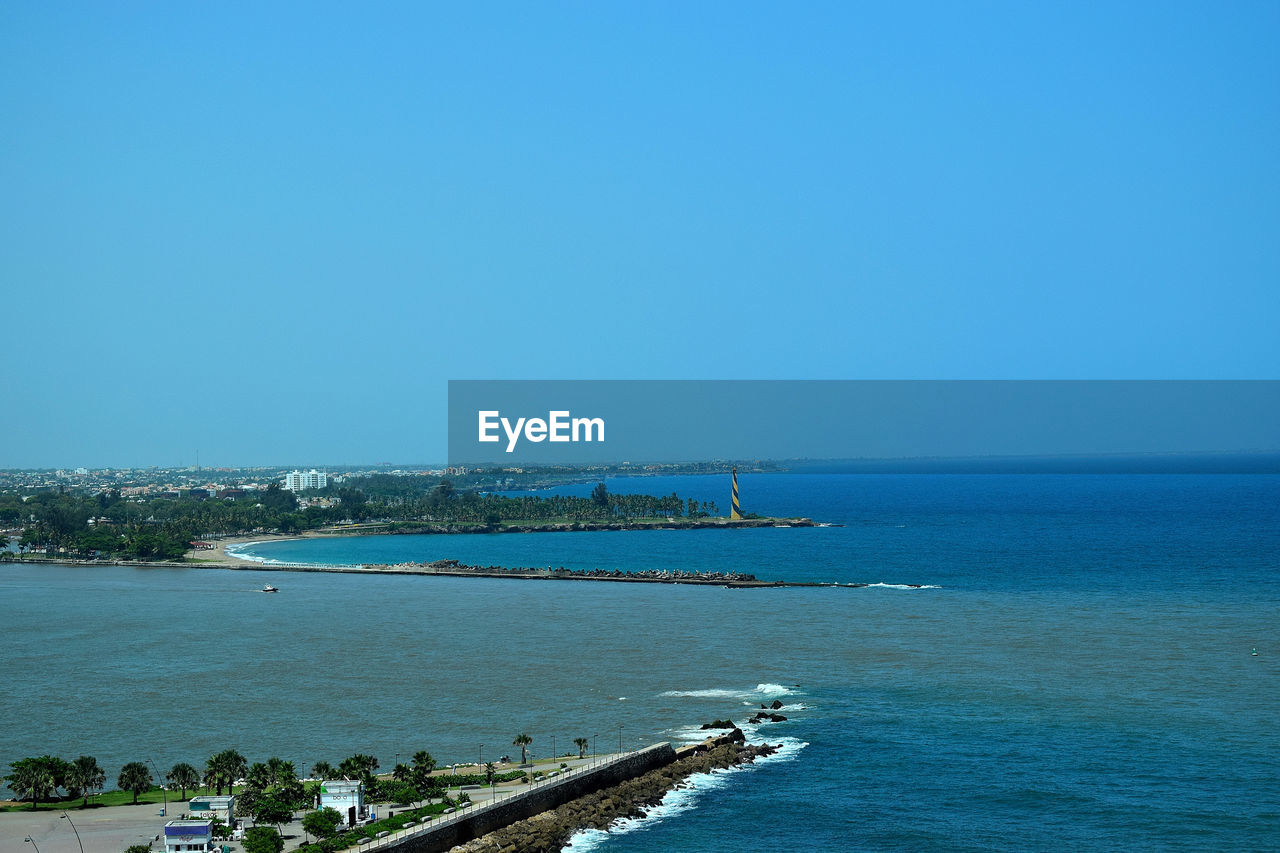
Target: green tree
294, 793
260, 839
423, 764
134, 777
358, 766
322, 823
322, 770
402, 773
444, 492
522, 740
489, 772
31, 777
272, 810
86, 776
184, 776
281, 771
225, 768
259, 776
138, 848
600, 495
581, 743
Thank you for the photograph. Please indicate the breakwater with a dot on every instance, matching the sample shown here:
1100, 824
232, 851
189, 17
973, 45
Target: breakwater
544, 817
451, 568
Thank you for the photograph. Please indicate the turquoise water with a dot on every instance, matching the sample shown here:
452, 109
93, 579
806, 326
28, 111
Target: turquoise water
1079, 678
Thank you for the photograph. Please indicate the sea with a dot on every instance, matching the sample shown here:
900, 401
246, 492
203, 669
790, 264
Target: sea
1001, 662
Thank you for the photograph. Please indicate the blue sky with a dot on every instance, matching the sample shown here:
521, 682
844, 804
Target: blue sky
273, 232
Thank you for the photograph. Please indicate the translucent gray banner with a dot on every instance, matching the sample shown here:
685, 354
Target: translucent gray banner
528, 422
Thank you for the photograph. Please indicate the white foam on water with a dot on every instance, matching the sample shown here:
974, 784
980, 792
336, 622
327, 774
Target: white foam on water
238, 549
705, 694
774, 690
675, 802
902, 586
682, 799
764, 690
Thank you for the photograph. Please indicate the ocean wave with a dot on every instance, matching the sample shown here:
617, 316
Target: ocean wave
237, 551
680, 800
902, 586
760, 690
675, 802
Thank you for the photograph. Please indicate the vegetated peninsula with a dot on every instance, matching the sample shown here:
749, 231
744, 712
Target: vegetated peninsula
164, 521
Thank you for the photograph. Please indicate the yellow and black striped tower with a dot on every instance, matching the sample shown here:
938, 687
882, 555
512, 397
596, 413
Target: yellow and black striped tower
736, 510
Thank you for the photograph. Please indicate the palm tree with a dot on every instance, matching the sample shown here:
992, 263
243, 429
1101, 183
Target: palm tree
322, 770
422, 760
184, 776
522, 740
581, 743
259, 776
423, 764
134, 777
213, 771
401, 773
224, 769
86, 775
285, 773
489, 771
236, 768
358, 766
31, 778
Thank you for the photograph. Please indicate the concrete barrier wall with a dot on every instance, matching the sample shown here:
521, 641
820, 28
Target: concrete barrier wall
544, 797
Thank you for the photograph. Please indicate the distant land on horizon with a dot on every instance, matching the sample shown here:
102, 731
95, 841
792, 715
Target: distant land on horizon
1200, 462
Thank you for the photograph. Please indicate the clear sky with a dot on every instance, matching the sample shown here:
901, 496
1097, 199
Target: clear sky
273, 232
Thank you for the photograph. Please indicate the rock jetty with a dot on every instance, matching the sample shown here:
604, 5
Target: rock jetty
550, 831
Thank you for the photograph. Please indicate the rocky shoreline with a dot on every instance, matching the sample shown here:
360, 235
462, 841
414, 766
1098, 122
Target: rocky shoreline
550, 831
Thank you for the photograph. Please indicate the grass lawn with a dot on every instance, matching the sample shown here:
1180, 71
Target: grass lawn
108, 798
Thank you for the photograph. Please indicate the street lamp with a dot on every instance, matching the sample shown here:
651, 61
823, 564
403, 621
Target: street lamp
593, 748
68, 819
619, 738
164, 810
32, 842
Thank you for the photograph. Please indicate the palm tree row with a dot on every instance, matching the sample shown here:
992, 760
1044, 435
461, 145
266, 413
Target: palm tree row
40, 778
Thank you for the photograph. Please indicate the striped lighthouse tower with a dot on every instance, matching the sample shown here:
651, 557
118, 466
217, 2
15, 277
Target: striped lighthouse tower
736, 510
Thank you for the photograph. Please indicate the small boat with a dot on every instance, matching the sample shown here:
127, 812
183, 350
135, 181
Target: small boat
269, 588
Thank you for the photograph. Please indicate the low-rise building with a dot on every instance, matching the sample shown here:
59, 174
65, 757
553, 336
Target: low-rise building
209, 808
182, 836
345, 796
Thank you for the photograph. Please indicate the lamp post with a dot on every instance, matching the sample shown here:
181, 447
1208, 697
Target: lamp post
32, 842
593, 748
68, 819
619, 738
164, 810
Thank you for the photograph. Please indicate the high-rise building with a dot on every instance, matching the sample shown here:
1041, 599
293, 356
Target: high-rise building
297, 481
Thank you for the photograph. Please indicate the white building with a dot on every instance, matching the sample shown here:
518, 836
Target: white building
211, 807
345, 796
297, 481
181, 836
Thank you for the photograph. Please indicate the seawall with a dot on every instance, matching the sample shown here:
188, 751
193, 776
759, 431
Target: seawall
544, 797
